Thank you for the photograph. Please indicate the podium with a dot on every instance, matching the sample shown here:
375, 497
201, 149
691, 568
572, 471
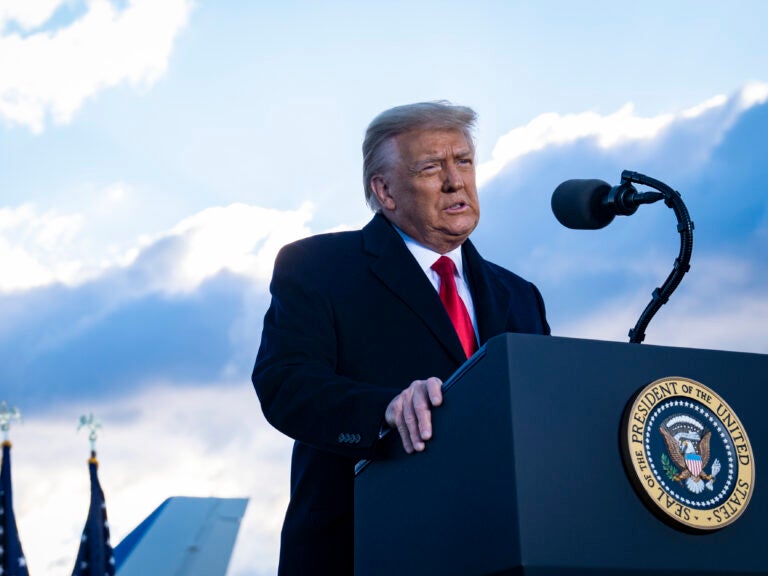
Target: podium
524, 474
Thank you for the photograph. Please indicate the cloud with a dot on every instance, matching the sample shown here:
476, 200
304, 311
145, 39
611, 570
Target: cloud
28, 14
44, 248
722, 309
187, 304
614, 130
32, 245
554, 129
54, 72
753, 94
219, 239
596, 283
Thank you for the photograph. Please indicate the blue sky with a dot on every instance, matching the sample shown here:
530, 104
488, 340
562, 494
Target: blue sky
155, 154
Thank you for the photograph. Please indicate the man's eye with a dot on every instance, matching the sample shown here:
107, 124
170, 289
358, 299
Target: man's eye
465, 161
430, 168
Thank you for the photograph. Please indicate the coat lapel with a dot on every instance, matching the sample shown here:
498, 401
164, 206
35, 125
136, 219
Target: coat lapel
490, 308
396, 268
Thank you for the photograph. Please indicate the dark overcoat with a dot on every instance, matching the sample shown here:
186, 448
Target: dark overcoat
353, 321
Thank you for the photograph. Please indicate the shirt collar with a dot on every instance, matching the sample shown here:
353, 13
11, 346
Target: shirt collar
426, 257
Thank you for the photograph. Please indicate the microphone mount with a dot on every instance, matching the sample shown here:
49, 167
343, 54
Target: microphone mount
625, 197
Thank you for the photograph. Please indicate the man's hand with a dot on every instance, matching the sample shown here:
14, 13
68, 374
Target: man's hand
410, 413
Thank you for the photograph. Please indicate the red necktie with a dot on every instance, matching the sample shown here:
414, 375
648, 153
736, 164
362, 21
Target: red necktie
454, 305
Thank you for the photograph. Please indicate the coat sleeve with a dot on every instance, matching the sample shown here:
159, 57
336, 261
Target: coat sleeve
295, 375
544, 325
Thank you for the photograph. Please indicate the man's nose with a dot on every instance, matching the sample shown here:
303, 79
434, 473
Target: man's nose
453, 178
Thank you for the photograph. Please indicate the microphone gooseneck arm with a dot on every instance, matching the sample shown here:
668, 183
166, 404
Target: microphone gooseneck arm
673, 200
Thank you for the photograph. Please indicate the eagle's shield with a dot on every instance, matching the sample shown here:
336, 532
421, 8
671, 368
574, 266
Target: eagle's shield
693, 462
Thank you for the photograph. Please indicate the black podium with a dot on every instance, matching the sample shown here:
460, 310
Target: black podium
524, 474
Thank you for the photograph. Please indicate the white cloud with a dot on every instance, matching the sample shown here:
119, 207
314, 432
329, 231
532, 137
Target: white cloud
736, 325
706, 106
41, 248
55, 72
48, 229
753, 94
238, 238
621, 127
552, 129
165, 441
698, 314
27, 14
33, 247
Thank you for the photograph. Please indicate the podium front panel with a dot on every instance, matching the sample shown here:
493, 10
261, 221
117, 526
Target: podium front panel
524, 474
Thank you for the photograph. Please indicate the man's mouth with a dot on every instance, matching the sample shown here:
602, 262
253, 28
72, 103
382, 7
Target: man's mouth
456, 206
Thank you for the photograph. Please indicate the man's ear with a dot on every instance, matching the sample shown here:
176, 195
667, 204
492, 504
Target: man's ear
380, 188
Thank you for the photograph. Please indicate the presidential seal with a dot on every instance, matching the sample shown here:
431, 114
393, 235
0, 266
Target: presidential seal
688, 454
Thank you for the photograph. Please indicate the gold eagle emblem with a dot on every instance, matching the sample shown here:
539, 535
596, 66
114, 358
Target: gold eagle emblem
691, 458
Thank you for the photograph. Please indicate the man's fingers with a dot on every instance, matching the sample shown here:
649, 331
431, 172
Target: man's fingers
435, 389
421, 406
411, 419
394, 418
405, 437
410, 412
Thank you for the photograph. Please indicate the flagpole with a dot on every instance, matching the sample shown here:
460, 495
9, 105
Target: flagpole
94, 556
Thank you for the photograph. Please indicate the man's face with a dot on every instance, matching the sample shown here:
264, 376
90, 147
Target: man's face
429, 192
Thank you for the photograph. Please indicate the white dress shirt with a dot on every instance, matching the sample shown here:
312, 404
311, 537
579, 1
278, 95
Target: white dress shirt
426, 257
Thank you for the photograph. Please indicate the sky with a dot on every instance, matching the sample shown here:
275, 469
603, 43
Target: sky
155, 155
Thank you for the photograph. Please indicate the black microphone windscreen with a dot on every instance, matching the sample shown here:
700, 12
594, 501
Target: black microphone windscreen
578, 204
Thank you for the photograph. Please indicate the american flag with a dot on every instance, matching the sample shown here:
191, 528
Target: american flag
12, 561
95, 558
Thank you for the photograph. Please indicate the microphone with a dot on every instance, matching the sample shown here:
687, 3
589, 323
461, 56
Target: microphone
593, 204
